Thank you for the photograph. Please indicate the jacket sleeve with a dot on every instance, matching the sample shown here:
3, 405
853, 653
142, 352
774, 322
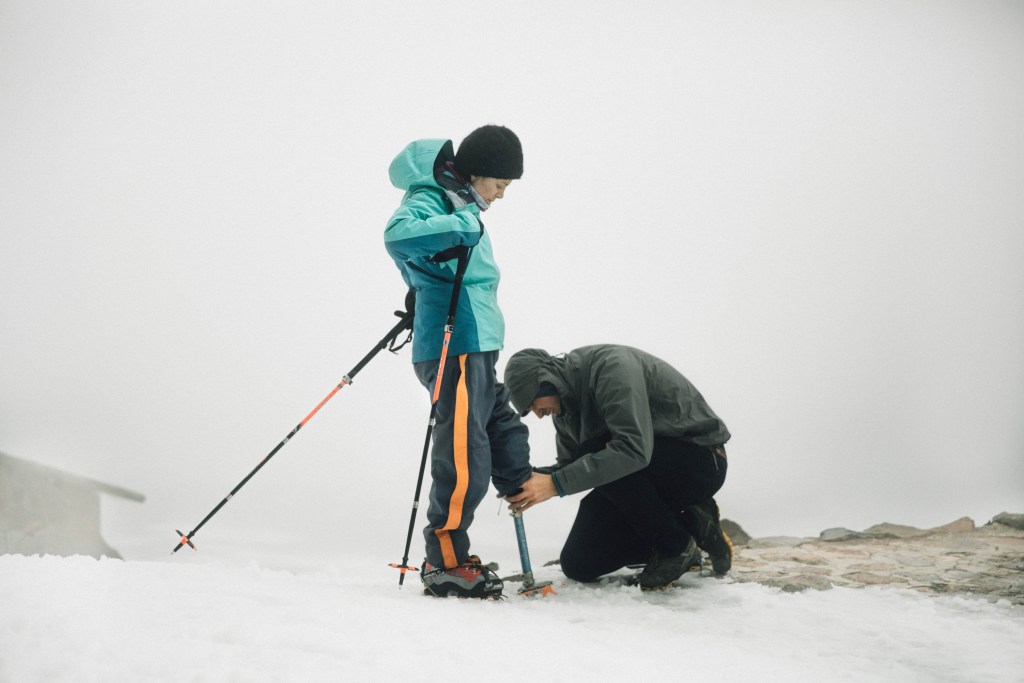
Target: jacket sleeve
619, 394
423, 226
565, 447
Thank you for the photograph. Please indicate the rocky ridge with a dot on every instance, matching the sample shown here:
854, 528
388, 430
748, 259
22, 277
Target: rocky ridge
956, 558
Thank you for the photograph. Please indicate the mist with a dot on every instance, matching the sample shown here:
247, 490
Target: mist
813, 210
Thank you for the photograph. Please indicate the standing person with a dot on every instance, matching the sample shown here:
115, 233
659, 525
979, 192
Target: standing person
477, 436
629, 426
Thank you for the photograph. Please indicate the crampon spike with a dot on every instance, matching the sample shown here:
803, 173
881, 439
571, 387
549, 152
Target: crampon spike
184, 541
537, 590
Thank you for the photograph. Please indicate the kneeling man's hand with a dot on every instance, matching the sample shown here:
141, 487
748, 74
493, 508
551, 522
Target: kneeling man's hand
538, 488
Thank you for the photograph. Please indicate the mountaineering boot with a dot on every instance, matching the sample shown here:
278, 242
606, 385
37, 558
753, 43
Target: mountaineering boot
703, 522
663, 571
696, 564
471, 579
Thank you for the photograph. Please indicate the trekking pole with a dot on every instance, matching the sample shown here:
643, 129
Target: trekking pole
389, 339
460, 271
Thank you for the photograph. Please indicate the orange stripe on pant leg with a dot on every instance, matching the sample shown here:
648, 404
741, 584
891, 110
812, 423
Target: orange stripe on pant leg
460, 443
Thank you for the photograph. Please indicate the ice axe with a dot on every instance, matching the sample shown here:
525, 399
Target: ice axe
530, 587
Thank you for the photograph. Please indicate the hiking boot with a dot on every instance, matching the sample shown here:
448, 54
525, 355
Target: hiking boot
641, 569
703, 521
471, 579
661, 571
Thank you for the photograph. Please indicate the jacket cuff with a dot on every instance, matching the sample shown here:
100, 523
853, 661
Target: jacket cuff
558, 485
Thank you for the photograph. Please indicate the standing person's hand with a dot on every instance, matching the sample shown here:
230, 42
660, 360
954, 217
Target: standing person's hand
538, 488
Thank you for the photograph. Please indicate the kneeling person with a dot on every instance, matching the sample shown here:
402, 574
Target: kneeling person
632, 428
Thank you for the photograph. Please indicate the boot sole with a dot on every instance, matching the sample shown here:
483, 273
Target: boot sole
731, 556
463, 596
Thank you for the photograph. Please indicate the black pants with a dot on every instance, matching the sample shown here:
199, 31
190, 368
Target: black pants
621, 522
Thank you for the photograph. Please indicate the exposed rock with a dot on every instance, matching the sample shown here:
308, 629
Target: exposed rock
887, 530
798, 583
777, 542
962, 544
871, 579
840, 534
848, 552
912, 560
954, 558
736, 534
1016, 521
795, 556
876, 567
960, 526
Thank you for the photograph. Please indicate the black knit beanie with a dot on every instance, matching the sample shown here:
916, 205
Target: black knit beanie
491, 152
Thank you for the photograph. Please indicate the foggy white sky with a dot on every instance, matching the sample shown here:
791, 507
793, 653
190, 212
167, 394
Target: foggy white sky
814, 210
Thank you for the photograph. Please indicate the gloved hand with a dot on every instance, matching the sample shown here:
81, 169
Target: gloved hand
410, 300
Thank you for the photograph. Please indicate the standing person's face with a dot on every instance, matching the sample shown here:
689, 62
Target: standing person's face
490, 188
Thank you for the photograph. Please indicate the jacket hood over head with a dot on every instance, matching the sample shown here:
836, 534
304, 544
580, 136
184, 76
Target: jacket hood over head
525, 371
415, 165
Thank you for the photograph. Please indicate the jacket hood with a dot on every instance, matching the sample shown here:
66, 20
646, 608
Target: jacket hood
414, 166
524, 372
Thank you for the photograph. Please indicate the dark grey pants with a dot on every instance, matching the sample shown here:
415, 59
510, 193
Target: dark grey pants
478, 438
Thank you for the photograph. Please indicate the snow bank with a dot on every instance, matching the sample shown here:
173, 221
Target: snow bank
80, 619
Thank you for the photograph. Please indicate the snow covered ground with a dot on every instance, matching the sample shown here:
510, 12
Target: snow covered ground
81, 619
809, 207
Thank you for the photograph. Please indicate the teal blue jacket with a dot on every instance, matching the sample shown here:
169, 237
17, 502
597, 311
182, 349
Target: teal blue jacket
424, 224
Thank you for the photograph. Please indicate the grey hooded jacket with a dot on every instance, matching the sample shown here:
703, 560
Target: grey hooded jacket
611, 391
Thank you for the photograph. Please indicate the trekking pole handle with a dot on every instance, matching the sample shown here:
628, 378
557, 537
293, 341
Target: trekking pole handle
460, 272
